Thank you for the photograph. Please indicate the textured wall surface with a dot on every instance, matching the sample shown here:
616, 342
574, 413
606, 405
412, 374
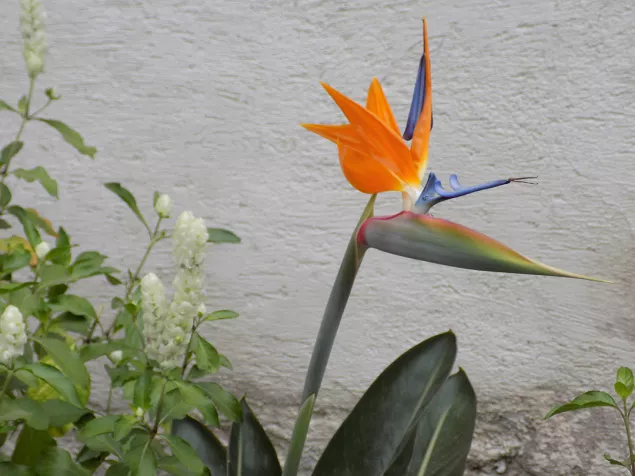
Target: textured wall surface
203, 99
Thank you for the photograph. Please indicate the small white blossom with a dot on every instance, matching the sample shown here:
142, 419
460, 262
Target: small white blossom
155, 309
163, 206
139, 412
42, 250
12, 334
116, 356
190, 239
32, 26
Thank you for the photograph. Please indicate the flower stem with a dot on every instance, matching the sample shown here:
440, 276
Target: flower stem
333, 313
155, 429
25, 119
629, 439
7, 382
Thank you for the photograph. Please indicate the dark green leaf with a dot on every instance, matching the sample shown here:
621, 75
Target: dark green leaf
68, 361
24, 409
61, 254
209, 449
444, 433
300, 430
224, 400
142, 390
624, 383
61, 413
70, 322
56, 462
218, 315
220, 235
4, 225
591, 399
14, 260
379, 425
185, 453
128, 198
118, 469
97, 349
224, 362
30, 446
207, 357
74, 304
9, 151
5, 199
41, 175
5, 106
53, 274
6, 287
142, 459
55, 379
124, 426
626, 463
104, 443
11, 469
72, 137
251, 453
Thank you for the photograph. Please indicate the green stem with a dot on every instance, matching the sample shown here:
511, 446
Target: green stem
7, 382
188, 353
333, 313
109, 403
155, 429
25, 119
629, 439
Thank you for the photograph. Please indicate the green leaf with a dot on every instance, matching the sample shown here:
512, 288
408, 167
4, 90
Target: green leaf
591, 399
9, 151
444, 433
11, 469
142, 460
128, 198
14, 260
10, 287
30, 446
29, 227
224, 400
41, 175
75, 305
61, 413
68, 361
124, 426
300, 430
97, 349
98, 426
380, 424
142, 390
251, 453
209, 449
22, 105
71, 136
185, 453
57, 380
624, 382
5, 106
24, 409
220, 235
56, 462
53, 274
5, 199
625, 463
218, 315
4, 225
207, 357
118, 469
104, 443
71, 323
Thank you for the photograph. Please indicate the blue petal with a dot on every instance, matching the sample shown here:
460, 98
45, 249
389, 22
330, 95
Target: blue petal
418, 97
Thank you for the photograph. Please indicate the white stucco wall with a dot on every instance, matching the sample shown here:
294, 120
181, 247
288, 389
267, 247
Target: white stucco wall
203, 100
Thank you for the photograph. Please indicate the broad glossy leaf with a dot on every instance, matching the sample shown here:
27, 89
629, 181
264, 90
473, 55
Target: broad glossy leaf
61, 413
41, 175
207, 357
142, 460
98, 426
56, 462
251, 453
142, 390
74, 304
29, 227
5, 198
427, 238
298, 437
24, 409
209, 449
220, 235
624, 382
444, 433
594, 398
4, 224
374, 432
30, 446
53, 274
97, 349
9, 151
68, 361
128, 198
71, 136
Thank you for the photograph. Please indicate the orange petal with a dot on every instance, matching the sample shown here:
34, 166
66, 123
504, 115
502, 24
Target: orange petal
366, 174
377, 103
343, 134
421, 136
378, 141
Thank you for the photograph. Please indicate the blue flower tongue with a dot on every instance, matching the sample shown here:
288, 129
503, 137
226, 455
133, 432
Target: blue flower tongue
418, 97
433, 191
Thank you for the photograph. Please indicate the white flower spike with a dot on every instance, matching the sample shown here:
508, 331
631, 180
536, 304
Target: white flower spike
32, 26
12, 335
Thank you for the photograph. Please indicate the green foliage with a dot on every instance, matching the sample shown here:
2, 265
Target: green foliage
41, 175
220, 235
71, 136
623, 386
